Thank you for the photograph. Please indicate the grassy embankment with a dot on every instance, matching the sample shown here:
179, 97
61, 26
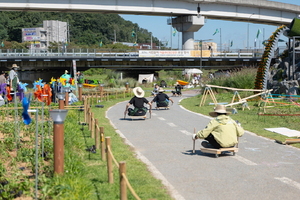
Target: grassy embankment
249, 119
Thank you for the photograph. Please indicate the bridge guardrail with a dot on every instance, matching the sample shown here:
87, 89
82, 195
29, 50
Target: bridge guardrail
94, 53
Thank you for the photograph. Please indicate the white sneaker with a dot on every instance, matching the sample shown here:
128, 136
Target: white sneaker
194, 137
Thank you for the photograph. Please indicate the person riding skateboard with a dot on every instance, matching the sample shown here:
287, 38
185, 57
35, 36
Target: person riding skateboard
221, 132
162, 99
138, 102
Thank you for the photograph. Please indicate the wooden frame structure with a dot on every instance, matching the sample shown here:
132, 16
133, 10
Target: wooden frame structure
208, 91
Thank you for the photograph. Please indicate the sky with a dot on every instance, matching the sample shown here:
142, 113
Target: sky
238, 35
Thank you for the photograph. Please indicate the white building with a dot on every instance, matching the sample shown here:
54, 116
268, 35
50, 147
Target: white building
40, 37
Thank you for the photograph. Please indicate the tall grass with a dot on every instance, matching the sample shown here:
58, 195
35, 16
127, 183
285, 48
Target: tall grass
244, 78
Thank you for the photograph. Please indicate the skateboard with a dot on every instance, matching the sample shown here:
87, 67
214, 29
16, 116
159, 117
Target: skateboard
217, 152
163, 108
137, 117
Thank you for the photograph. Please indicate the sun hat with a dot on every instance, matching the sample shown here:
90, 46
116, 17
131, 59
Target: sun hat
219, 109
161, 90
14, 66
138, 92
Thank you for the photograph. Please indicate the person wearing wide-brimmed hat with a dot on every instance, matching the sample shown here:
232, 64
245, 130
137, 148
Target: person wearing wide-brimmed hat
222, 131
13, 76
138, 101
162, 99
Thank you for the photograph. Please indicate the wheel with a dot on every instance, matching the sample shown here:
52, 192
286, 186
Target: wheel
233, 153
217, 155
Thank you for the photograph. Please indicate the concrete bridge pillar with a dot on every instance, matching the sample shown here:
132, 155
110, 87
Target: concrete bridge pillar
188, 24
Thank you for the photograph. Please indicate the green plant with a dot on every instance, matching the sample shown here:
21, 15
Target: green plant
2, 170
25, 154
9, 143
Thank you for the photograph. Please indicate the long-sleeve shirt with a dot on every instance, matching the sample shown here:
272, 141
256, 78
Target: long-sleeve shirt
224, 129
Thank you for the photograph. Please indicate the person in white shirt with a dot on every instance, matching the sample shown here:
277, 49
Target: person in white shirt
12, 75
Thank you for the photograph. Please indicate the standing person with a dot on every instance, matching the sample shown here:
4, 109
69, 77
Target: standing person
138, 102
162, 99
13, 77
2, 77
2, 87
221, 132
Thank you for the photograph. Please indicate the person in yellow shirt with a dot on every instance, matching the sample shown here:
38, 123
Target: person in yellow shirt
221, 132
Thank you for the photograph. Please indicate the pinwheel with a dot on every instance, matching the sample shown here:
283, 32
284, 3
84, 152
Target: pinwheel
47, 93
38, 93
9, 97
25, 115
36, 83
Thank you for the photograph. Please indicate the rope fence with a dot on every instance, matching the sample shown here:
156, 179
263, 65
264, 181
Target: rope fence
103, 144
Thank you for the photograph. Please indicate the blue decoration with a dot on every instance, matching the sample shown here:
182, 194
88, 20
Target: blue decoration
39, 82
25, 115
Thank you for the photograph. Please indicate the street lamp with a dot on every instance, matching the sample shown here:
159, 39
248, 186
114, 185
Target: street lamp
61, 98
201, 42
67, 90
248, 31
58, 116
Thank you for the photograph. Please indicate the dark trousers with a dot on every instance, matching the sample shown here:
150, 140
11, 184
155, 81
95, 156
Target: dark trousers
210, 138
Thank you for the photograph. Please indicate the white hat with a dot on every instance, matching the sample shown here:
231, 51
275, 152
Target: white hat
14, 66
161, 90
219, 109
138, 92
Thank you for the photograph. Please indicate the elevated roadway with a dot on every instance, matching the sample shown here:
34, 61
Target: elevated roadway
266, 12
125, 61
186, 16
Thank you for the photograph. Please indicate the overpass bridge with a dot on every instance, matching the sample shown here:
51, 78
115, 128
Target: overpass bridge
52, 64
36, 65
144, 60
186, 17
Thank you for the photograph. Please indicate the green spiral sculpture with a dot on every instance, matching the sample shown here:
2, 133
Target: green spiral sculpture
264, 64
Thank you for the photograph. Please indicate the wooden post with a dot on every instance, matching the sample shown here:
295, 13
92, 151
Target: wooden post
101, 92
102, 143
85, 110
123, 186
97, 136
109, 161
80, 92
97, 97
67, 99
92, 126
90, 119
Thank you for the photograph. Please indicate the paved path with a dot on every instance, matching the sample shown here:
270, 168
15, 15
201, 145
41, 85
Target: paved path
262, 169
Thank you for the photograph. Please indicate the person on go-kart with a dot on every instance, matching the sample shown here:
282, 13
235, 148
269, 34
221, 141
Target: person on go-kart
162, 99
221, 132
138, 102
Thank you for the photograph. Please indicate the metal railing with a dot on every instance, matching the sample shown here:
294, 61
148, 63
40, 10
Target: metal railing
12, 53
